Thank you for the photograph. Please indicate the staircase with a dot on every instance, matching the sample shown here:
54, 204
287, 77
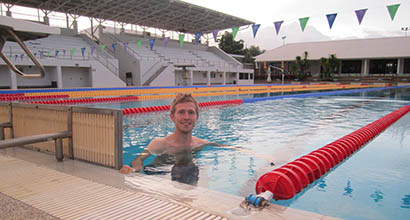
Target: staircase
155, 75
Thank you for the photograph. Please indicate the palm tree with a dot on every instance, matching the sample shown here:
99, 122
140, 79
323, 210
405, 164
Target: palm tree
329, 66
302, 64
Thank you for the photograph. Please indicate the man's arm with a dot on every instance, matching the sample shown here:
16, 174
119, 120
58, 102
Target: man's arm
156, 146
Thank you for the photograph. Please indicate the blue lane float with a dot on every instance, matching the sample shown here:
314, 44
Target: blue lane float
304, 95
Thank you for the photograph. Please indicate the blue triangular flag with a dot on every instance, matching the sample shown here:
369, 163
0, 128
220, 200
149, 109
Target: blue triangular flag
197, 37
330, 19
82, 51
151, 43
114, 47
57, 51
255, 28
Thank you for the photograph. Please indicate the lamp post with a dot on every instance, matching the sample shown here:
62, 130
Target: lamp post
283, 38
269, 79
283, 73
405, 29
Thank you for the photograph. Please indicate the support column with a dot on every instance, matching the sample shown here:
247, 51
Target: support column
59, 77
191, 76
237, 78
365, 67
13, 79
208, 76
400, 66
224, 77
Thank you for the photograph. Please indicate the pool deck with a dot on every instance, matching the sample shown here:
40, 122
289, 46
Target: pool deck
34, 185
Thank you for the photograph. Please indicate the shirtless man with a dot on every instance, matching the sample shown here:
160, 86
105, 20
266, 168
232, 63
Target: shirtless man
180, 144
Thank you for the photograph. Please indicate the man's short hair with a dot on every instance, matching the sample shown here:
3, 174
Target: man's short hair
183, 98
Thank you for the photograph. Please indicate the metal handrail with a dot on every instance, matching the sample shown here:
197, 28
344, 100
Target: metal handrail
28, 52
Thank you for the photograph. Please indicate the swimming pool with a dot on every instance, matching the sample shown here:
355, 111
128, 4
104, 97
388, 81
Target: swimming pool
371, 184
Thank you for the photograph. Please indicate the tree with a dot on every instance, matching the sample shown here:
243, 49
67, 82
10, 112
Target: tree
329, 66
252, 52
302, 65
229, 45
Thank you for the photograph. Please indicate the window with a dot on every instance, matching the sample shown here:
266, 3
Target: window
243, 76
213, 75
406, 67
351, 66
383, 66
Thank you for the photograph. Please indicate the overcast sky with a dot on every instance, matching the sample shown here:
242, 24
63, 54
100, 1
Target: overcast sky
376, 22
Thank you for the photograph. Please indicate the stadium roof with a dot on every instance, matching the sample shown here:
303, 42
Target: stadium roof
373, 48
173, 15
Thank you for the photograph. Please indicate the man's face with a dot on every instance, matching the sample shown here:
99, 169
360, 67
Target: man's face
184, 117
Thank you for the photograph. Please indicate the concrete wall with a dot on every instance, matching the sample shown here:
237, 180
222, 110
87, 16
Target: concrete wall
74, 77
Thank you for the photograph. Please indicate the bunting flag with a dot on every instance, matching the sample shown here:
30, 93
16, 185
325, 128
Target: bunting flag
197, 37
83, 51
35, 54
48, 54
392, 10
303, 22
15, 57
166, 39
277, 26
72, 52
331, 19
114, 47
22, 56
360, 14
92, 50
255, 28
181, 39
151, 43
215, 34
102, 47
57, 52
125, 45
64, 52
234, 32
139, 44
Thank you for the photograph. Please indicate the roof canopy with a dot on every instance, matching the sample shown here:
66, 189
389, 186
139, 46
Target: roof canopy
391, 47
173, 15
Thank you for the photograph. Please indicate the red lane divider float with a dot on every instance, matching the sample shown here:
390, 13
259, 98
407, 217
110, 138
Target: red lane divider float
286, 181
90, 100
167, 107
18, 97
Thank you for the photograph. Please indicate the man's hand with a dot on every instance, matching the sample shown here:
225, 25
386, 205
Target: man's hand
126, 169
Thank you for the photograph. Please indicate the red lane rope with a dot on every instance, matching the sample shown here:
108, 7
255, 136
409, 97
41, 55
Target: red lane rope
90, 100
286, 181
167, 107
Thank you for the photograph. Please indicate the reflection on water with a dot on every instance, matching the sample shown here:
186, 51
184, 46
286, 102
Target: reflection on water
287, 129
405, 202
348, 189
377, 196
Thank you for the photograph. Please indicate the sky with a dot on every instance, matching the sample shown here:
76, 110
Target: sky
376, 22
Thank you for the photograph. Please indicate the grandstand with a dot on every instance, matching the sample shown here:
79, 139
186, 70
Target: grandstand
89, 59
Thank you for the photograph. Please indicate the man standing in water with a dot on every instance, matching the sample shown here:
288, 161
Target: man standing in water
179, 145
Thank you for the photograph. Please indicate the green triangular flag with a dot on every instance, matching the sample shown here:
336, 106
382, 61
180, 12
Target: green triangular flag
303, 22
73, 51
102, 48
392, 10
181, 39
234, 32
139, 44
48, 54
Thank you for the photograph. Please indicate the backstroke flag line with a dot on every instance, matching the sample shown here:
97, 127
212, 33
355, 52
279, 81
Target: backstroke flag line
234, 32
255, 28
360, 14
303, 22
331, 19
277, 26
392, 10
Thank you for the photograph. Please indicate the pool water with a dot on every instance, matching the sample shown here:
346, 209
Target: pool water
371, 184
